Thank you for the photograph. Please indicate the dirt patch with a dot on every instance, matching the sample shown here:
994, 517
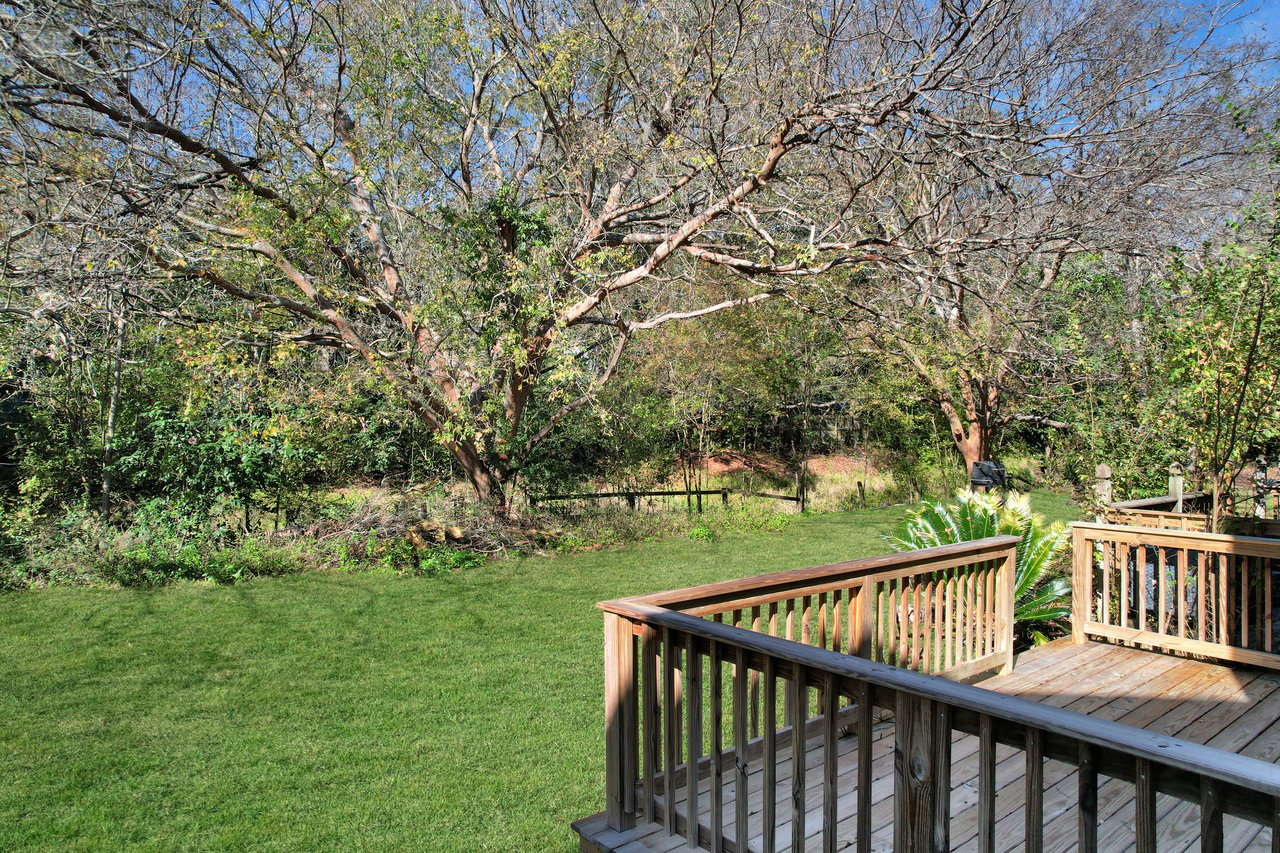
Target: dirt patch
733, 462
839, 463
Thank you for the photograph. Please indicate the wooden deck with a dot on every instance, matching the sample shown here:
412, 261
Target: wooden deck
1233, 709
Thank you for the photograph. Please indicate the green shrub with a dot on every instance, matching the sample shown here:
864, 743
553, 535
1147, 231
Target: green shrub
1042, 595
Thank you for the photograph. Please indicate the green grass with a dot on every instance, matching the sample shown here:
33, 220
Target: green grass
338, 712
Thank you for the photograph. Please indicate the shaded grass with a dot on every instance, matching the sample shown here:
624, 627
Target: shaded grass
338, 712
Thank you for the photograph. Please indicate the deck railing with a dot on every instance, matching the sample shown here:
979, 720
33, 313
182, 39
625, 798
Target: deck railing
1192, 592
945, 610
685, 738
672, 758
1159, 519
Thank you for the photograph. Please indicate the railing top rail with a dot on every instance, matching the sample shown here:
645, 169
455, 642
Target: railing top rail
1249, 773
1125, 510
1140, 503
799, 578
1220, 542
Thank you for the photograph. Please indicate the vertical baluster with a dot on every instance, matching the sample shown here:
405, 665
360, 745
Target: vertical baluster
932, 593
986, 785
1275, 825
822, 620
1087, 800
1202, 568
837, 623
1223, 600
769, 842
1035, 791
970, 613
806, 632
1265, 570
649, 713
871, 616
1162, 589
1243, 563
831, 766
671, 725
917, 623
717, 748
1125, 603
1108, 561
863, 698
755, 680
979, 609
693, 678
949, 624
942, 773
908, 630
741, 792
989, 611
800, 700
890, 614
906, 625
1144, 801
788, 712
1140, 564
1182, 591
1210, 816
857, 644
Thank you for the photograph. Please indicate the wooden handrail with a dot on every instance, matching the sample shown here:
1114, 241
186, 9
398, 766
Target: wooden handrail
1199, 593
654, 745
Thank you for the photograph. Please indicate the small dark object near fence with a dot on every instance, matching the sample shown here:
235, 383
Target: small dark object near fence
988, 474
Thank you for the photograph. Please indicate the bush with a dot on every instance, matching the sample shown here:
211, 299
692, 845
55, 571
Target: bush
1042, 595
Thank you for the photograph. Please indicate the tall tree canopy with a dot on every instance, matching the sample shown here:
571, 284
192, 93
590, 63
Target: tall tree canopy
486, 200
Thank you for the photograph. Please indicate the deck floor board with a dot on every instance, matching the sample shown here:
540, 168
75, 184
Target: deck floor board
1233, 709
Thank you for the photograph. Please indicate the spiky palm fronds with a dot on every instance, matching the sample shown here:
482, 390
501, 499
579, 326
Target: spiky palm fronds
1040, 595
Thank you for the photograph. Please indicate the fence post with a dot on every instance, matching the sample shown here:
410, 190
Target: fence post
1175, 486
621, 741
921, 776
1102, 485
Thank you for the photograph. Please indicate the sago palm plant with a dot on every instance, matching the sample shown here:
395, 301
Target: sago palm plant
1041, 597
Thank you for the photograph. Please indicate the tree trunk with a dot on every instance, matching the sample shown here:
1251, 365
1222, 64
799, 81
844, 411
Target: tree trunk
489, 484
113, 406
973, 435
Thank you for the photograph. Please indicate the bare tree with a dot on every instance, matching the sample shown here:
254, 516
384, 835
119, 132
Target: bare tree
486, 201
1114, 137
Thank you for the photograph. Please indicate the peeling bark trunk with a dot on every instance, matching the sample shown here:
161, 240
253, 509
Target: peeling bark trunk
488, 481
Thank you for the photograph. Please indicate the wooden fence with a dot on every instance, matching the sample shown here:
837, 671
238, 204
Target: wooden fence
1192, 592
692, 496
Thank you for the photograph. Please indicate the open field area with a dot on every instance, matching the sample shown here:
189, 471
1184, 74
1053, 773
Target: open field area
339, 712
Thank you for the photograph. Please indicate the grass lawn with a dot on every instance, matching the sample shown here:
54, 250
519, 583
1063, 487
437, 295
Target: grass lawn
339, 712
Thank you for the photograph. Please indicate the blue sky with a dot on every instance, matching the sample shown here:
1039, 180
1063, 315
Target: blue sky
1265, 17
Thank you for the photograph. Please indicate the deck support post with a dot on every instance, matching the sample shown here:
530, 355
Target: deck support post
1004, 618
1081, 583
621, 745
921, 776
